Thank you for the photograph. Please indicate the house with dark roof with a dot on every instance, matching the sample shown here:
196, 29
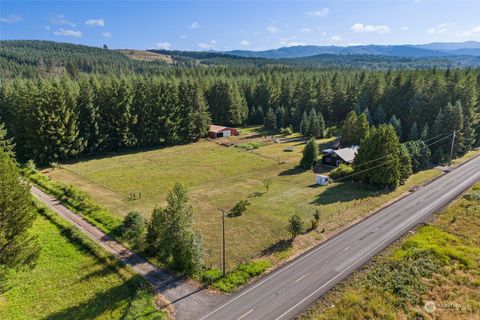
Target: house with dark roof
334, 158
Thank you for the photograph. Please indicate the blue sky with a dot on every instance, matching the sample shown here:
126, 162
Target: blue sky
225, 25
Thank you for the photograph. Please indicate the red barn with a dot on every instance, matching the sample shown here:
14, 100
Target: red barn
221, 132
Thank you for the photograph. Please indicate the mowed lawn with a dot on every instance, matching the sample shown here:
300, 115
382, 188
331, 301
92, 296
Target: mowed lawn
70, 283
220, 176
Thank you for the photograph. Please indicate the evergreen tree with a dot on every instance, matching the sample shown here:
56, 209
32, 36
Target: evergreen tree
380, 117
295, 226
349, 136
53, 132
194, 116
381, 151
314, 129
280, 117
227, 105
419, 154
361, 129
425, 132
88, 117
310, 154
366, 112
116, 117
397, 125
405, 162
17, 246
6, 143
414, 134
270, 121
304, 124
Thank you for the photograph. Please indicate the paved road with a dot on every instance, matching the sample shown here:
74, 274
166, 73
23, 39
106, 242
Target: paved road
286, 292
187, 299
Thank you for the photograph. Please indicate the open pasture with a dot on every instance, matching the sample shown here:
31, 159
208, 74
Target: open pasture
218, 177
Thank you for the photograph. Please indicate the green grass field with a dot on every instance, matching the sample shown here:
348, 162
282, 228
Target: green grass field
71, 282
440, 263
218, 177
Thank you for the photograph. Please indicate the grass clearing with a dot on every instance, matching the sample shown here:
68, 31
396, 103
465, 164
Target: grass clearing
218, 177
439, 263
74, 279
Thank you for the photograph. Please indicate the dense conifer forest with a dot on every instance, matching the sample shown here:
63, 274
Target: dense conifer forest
60, 101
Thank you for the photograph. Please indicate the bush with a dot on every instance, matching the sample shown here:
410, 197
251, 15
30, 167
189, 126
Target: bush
341, 171
286, 131
242, 274
211, 275
249, 145
133, 228
239, 208
295, 226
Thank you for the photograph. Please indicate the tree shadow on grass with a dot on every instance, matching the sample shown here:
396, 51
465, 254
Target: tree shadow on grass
292, 171
346, 192
278, 247
101, 303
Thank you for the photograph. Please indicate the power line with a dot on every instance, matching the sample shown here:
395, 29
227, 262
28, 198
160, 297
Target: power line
355, 173
388, 155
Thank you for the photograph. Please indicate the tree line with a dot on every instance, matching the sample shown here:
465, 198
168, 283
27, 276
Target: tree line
53, 119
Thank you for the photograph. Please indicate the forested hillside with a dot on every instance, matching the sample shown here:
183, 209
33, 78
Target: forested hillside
69, 113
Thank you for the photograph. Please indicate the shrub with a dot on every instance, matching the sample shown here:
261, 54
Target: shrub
239, 208
474, 196
211, 275
341, 171
241, 275
286, 131
249, 145
295, 226
133, 228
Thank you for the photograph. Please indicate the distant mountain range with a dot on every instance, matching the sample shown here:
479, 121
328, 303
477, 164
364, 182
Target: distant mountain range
435, 49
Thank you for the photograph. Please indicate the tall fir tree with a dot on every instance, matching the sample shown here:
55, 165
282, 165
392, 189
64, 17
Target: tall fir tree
18, 247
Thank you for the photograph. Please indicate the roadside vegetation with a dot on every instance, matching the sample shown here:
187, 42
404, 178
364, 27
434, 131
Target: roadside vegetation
74, 278
438, 266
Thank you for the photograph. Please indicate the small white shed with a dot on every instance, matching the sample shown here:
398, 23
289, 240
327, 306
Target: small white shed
321, 180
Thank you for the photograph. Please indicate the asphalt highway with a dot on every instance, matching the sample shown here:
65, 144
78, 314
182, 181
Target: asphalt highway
286, 292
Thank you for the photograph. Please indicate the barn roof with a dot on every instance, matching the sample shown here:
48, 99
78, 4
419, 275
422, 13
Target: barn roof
215, 128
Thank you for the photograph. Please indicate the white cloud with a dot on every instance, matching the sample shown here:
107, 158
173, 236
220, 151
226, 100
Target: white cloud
207, 45
95, 22
404, 28
320, 13
245, 43
336, 39
61, 19
195, 25
359, 28
107, 34
272, 29
439, 29
164, 45
47, 28
306, 30
11, 19
68, 33
183, 36
290, 42
476, 29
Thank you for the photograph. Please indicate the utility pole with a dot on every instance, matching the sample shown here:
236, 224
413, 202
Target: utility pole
451, 149
223, 241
